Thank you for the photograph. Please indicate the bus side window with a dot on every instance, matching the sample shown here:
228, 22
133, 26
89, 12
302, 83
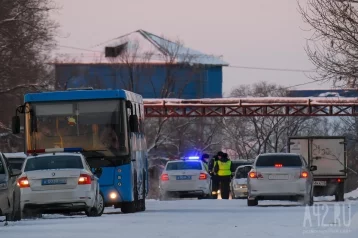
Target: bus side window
139, 113
129, 110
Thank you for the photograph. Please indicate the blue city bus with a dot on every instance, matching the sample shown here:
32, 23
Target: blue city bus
106, 126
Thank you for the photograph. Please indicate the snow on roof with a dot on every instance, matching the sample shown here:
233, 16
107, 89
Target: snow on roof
15, 155
145, 47
251, 101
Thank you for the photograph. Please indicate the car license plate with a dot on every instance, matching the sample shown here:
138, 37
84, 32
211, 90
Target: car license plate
184, 177
320, 183
278, 176
54, 181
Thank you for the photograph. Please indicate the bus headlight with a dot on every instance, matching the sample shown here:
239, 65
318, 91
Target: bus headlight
113, 195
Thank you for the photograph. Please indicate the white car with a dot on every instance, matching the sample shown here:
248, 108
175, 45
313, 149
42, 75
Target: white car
59, 183
280, 176
185, 179
239, 182
16, 160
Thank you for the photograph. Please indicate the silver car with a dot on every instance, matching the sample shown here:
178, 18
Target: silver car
239, 182
9, 192
16, 160
280, 176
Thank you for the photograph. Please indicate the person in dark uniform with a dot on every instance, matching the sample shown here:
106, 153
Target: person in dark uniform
224, 169
205, 158
214, 178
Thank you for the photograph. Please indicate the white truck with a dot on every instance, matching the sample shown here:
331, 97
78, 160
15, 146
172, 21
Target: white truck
329, 155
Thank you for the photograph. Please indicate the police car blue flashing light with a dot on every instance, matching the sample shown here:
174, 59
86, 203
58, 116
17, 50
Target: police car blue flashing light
52, 150
193, 158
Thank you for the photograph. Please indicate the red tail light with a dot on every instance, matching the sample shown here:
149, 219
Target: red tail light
23, 182
254, 174
304, 174
84, 179
164, 177
278, 165
339, 180
203, 176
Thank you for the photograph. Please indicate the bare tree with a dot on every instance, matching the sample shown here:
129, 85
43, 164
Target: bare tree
27, 35
334, 43
253, 135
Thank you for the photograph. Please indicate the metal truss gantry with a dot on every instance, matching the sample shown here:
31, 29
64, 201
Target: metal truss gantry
246, 107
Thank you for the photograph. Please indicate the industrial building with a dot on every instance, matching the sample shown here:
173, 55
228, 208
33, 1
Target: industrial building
146, 64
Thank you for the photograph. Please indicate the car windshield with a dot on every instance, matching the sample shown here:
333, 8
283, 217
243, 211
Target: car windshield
282, 160
16, 165
184, 166
54, 162
242, 172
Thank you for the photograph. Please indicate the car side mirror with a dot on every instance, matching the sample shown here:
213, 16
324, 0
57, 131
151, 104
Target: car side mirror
98, 172
313, 168
133, 123
15, 173
15, 125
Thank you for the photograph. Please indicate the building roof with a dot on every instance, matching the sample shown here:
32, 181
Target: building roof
143, 47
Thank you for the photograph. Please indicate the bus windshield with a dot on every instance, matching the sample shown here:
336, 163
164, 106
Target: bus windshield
99, 125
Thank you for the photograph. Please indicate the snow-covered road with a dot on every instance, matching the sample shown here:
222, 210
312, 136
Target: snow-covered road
200, 218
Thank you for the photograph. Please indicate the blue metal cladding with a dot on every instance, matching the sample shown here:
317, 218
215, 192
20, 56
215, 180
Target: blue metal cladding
148, 80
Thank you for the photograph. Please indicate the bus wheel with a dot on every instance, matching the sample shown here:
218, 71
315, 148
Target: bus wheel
142, 201
131, 207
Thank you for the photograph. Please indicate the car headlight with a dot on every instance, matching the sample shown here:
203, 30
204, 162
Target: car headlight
240, 186
3, 185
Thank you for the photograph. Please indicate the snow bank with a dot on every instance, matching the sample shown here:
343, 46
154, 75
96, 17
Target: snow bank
353, 195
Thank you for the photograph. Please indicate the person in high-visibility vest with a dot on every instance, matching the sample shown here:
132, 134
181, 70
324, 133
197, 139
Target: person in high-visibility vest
224, 168
214, 177
205, 159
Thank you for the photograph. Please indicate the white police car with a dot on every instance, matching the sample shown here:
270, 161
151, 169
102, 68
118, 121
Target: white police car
185, 178
55, 182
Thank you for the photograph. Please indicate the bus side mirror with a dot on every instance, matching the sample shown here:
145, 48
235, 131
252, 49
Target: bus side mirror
133, 123
97, 172
15, 125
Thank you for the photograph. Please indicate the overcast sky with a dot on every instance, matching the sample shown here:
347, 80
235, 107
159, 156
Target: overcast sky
253, 33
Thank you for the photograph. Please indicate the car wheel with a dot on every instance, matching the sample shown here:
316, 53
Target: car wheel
100, 205
252, 203
98, 209
308, 200
16, 210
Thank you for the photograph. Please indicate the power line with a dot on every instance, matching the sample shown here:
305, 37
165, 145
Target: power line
302, 84
77, 48
229, 66
272, 69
